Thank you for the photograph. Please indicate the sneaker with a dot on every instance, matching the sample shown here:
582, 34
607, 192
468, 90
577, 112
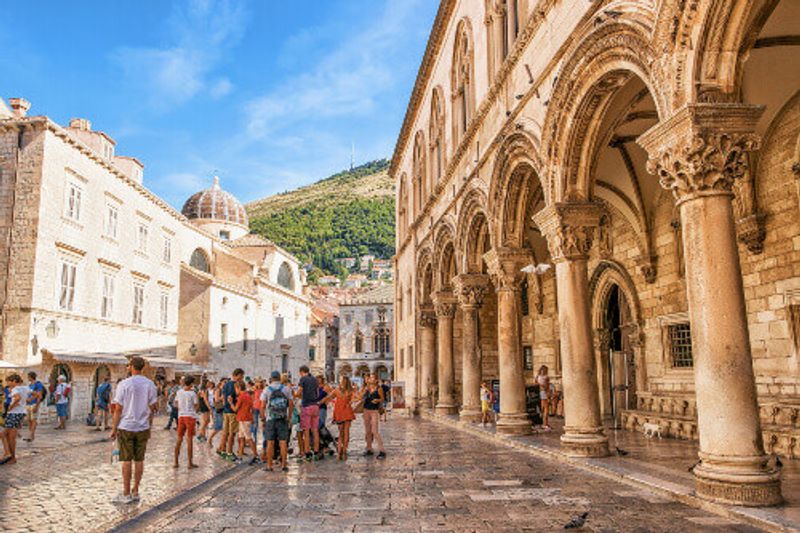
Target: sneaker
122, 499
382, 455
285, 469
135, 498
254, 461
368, 453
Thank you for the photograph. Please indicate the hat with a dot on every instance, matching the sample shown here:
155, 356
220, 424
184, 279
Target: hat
275, 375
62, 377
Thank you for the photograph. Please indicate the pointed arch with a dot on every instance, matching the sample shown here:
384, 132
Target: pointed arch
462, 80
437, 138
419, 174
473, 232
402, 208
425, 277
444, 255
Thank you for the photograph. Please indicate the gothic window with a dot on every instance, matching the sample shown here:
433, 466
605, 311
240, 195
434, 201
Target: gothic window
285, 276
420, 178
437, 137
402, 209
462, 81
380, 342
680, 345
199, 260
359, 342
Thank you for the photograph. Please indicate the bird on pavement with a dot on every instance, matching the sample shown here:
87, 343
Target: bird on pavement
577, 522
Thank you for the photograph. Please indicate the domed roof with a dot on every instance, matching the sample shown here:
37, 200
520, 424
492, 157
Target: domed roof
215, 204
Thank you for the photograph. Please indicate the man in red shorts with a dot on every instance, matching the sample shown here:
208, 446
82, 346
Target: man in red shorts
186, 403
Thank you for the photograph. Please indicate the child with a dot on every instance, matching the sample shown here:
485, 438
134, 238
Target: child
244, 416
186, 405
18, 394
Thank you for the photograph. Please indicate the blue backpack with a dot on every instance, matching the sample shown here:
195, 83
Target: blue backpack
277, 405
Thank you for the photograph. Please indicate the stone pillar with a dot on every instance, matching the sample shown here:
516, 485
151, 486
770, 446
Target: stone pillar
698, 153
505, 266
471, 290
427, 324
445, 306
569, 229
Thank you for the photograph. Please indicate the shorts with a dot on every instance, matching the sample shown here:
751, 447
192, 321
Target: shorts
62, 409
244, 429
132, 445
309, 417
229, 423
33, 412
217, 421
485, 406
186, 426
543, 395
102, 406
14, 420
276, 429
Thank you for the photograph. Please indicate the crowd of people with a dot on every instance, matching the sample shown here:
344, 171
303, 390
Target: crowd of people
232, 416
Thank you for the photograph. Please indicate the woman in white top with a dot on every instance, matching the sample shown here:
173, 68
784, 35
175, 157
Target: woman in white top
543, 380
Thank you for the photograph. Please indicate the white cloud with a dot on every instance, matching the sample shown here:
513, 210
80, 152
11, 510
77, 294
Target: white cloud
203, 30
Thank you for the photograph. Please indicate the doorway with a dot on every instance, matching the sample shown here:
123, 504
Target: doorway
620, 370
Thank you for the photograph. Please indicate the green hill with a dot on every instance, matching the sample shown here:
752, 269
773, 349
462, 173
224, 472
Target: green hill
345, 215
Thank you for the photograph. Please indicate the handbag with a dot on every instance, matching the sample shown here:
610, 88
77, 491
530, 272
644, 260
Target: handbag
359, 407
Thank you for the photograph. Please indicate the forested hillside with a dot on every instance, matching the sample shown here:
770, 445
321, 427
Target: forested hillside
345, 215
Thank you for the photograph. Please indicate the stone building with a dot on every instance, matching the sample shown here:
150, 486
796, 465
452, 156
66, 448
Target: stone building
323, 349
94, 268
610, 189
366, 334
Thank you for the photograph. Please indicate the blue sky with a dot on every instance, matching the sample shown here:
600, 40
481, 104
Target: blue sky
269, 93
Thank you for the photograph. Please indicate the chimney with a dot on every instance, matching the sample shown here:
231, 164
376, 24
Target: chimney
82, 124
19, 106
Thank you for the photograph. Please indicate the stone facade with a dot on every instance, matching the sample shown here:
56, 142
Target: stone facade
620, 179
95, 267
366, 334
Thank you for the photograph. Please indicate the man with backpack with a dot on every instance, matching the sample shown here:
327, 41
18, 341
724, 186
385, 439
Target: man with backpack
276, 411
35, 399
62, 393
102, 402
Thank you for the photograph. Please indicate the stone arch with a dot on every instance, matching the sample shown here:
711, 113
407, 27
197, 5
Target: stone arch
473, 232
402, 208
425, 277
286, 276
419, 174
444, 256
200, 260
462, 80
436, 137
600, 65
515, 178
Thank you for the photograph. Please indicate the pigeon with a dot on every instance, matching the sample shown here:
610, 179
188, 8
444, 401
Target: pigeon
577, 522
621, 452
539, 269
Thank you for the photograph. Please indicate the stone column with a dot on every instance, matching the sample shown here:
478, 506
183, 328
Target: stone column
505, 266
427, 324
445, 306
698, 153
569, 228
471, 290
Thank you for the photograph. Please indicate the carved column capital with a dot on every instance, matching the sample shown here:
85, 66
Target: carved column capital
426, 317
505, 267
444, 304
470, 289
702, 149
569, 228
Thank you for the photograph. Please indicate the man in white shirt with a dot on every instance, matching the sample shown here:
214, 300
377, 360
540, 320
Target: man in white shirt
14, 418
62, 393
135, 404
186, 404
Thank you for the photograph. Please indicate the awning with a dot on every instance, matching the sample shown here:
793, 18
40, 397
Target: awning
5, 365
177, 364
90, 358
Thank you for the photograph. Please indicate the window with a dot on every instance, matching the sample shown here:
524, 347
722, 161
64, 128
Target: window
112, 220
72, 210
278, 327
225, 235
138, 303
680, 345
223, 336
312, 353
402, 357
164, 310
141, 242
410, 360
199, 260
368, 317
527, 354
285, 276
107, 299
245, 335
359, 342
66, 293
166, 250
381, 342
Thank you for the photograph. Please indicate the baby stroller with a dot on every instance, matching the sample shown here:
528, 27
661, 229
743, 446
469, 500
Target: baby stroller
325, 441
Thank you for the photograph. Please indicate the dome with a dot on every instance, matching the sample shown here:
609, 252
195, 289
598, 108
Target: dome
215, 204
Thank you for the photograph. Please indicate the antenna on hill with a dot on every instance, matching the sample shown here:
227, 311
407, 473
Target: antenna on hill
352, 155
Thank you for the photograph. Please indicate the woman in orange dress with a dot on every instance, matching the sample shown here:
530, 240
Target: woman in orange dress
343, 414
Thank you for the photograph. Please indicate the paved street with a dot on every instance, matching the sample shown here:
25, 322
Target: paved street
435, 480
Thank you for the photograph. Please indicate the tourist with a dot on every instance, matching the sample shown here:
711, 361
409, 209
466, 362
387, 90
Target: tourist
487, 398
308, 392
256, 391
35, 399
343, 414
62, 393
136, 401
324, 390
543, 380
277, 404
244, 419
102, 401
206, 398
387, 396
15, 414
186, 403
230, 426
218, 411
173, 412
6, 399
372, 396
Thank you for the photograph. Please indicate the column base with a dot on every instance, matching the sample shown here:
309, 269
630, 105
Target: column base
585, 442
470, 414
746, 481
446, 409
514, 424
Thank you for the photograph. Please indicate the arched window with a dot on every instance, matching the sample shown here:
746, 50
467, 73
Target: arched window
359, 342
437, 137
286, 276
199, 260
402, 208
381, 342
504, 19
462, 81
420, 177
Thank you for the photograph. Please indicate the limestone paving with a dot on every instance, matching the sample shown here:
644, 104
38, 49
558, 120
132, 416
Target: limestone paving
436, 479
